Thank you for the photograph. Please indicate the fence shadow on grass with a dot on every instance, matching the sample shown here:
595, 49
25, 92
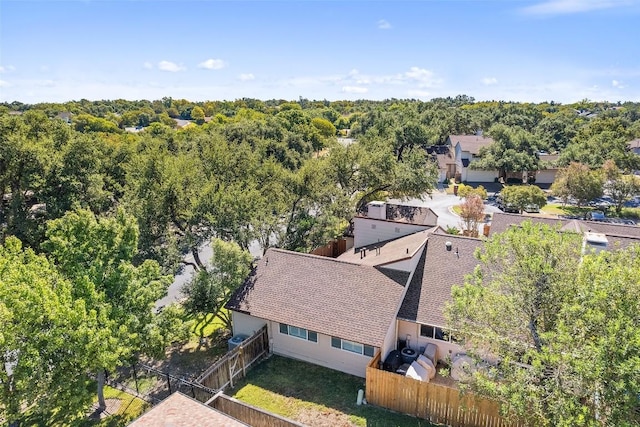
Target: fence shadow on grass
321, 386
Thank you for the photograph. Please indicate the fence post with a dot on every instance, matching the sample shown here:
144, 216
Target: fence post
169, 383
244, 372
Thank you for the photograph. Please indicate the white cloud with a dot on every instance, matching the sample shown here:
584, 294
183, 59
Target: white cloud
212, 64
170, 66
4, 84
7, 69
354, 89
564, 7
148, 65
383, 24
245, 77
617, 84
488, 81
424, 77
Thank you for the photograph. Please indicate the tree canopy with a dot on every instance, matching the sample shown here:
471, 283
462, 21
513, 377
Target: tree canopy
556, 327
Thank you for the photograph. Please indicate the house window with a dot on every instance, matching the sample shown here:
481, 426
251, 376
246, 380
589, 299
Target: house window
352, 346
301, 333
433, 332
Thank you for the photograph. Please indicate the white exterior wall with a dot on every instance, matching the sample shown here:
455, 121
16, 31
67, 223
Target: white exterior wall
364, 234
546, 176
407, 264
473, 175
320, 353
445, 349
245, 324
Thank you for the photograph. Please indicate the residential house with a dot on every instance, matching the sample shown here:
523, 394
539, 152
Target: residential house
634, 146
321, 310
383, 295
443, 155
381, 221
466, 149
548, 173
178, 410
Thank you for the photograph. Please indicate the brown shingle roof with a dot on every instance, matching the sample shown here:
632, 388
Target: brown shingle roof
420, 215
470, 143
623, 234
178, 410
346, 300
437, 272
389, 251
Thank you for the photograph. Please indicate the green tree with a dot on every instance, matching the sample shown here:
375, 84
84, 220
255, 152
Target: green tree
96, 255
325, 127
471, 212
209, 290
578, 181
554, 319
522, 196
513, 150
46, 337
197, 114
467, 190
618, 186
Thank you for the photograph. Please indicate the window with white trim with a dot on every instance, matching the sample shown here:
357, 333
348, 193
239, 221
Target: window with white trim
301, 333
353, 347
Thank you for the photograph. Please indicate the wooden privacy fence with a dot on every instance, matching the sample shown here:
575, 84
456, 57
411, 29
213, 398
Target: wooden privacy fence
248, 414
437, 403
333, 249
236, 362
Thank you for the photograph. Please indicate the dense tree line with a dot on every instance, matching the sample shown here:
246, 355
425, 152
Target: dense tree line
108, 215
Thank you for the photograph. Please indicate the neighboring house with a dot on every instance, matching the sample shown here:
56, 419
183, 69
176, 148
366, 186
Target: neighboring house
634, 146
381, 221
443, 155
616, 235
65, 116
178, 410
466, 149
338, 313
548, 174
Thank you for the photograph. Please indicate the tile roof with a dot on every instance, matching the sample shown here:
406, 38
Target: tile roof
389, 251
470, 143
437, 272
178, 410
332, 297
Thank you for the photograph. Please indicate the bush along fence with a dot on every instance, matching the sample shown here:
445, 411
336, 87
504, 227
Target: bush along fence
437, 403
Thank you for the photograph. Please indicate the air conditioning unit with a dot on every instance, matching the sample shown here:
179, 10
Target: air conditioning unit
236, 340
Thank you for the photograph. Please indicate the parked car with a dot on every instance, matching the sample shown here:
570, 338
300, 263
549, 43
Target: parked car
506, 207
533, 208
595, 216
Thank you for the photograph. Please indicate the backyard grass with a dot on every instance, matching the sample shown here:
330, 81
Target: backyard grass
314, 396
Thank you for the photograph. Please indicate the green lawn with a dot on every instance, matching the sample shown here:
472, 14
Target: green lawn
308, 393
559, 209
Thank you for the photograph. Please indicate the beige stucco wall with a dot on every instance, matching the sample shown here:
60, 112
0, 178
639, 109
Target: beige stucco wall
245, 324
365, 233
445, 349
320, 353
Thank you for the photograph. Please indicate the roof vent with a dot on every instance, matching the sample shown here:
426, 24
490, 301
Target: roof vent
448, 245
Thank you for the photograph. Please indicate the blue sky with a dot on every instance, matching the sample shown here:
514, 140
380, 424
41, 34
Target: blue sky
526, 51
